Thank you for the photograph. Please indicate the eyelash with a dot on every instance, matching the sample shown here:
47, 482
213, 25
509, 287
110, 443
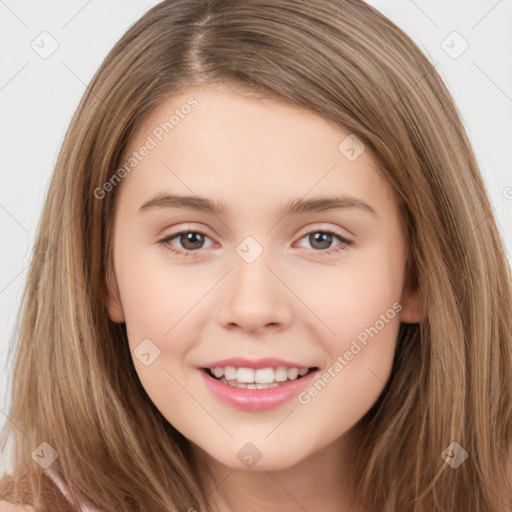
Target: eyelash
344, 241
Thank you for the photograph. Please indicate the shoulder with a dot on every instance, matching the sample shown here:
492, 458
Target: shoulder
5, 506
17, 494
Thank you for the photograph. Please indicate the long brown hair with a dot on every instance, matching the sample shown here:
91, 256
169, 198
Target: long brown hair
75, 386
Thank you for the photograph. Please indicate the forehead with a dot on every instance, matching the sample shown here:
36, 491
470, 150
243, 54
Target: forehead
215, 142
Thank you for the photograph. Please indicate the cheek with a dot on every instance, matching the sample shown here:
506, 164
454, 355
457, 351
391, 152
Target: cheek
360, 304
155, 303
363, 348
350, 298
155, 295
362, 307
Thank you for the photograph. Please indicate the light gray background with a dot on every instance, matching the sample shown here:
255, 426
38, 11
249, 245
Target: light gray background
39, 95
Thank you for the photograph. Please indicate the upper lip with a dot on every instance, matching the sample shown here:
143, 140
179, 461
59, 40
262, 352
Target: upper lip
266, 362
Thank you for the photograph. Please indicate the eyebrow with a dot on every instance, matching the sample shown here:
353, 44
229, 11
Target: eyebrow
293, 207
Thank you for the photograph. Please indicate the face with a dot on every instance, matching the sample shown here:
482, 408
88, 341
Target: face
234, 279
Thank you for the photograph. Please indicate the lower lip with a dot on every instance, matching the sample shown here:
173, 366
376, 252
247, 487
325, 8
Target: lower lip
256, 399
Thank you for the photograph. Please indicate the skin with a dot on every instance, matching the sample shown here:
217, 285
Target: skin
5, 506
293, 302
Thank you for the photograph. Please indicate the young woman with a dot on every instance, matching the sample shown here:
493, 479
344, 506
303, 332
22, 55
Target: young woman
267, 277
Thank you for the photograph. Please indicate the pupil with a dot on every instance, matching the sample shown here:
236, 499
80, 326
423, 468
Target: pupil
320, 237
192, 240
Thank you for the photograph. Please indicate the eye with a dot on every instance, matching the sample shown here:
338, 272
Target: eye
193, 240
190, 240
321, 239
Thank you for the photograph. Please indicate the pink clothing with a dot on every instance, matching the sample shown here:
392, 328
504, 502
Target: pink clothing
64, 490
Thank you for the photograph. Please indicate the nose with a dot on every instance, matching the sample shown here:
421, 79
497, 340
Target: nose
255, 297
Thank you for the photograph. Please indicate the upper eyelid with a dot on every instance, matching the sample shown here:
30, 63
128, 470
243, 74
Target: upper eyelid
344, 239
318, 227
306, 231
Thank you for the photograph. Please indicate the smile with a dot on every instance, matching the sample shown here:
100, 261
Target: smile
259, 389
261, 378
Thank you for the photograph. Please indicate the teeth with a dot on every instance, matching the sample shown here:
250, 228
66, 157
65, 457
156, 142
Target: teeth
280, 374
229, 373
293, 373
218, 372
264, 376
260, 377
266, 386
245, 375
236, 384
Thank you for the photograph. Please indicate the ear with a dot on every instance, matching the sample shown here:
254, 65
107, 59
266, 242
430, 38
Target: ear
113, 302
413, 309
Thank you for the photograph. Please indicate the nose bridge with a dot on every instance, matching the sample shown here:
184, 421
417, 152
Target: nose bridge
252, 274
256, 296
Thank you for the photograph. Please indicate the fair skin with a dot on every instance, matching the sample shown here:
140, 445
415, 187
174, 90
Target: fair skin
5, 506
292, 302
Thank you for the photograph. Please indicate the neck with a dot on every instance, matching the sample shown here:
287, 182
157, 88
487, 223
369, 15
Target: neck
321, 481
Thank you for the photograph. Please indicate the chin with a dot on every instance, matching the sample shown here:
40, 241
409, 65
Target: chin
264, 459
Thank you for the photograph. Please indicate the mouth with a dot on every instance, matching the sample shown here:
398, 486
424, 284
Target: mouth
256, 389
261, 378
